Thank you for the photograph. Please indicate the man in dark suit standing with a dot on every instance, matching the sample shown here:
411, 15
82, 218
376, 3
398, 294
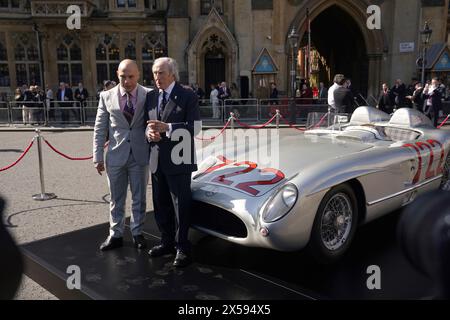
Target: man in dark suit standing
433, 103
385, 101
81, 94
323, 91
416, 97
64, 94
343, 98
172, 111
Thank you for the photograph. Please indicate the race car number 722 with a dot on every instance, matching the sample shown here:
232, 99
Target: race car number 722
245, 186
421, 147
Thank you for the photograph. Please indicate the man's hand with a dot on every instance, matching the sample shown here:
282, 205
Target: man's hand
158, 126
100, 166
154, 136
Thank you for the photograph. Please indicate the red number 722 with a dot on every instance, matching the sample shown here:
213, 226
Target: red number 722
247, 185
419, 148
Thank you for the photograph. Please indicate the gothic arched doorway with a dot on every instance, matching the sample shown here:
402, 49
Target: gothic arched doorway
338, 39
342, 42
215, 71
213, 53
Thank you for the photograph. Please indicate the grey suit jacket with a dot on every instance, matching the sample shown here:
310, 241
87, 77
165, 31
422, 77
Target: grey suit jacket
123, 137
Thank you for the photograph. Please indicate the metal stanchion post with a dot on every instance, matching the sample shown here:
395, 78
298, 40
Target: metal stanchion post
42, 196
278, 119
329, 116
232, 122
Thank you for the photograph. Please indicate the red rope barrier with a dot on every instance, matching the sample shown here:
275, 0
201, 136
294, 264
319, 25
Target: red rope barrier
320, 121
20, 158
215, 137
301, 129
256, 127
64, 155
442, 124
290, 125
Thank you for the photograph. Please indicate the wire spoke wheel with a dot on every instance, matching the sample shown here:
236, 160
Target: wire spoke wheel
445, 183
336, 222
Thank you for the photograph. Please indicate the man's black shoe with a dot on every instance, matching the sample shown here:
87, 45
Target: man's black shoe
139, 242
182, 259
161, 250
111, 243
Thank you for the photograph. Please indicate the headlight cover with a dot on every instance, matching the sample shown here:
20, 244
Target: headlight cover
279, 205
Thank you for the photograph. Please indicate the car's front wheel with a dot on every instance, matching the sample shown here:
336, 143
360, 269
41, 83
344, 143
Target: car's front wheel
334, 225
445, 183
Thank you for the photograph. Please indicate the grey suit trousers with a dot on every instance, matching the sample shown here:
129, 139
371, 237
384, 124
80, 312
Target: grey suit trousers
118, 177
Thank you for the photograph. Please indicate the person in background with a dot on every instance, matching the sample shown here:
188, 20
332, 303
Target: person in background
214, 99
323, 91
399, 93
343, 98
49, 103
199, 92
432, 101
416, 98
65, 96
81, 95
385, 100
338, 78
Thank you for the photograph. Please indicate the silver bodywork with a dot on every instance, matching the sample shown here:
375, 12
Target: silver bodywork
386, 161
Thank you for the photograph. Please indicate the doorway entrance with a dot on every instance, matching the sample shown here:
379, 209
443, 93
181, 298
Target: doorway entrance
214, 69
340, 45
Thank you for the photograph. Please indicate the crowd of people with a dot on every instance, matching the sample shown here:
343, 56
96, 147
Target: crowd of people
33, 102
426, 98
36, 106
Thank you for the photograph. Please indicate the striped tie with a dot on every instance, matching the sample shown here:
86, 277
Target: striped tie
128, 110
163, 105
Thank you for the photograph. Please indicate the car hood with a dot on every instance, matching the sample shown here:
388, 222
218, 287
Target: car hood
256, 170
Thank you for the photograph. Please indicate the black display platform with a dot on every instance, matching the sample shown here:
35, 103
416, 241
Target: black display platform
223, 270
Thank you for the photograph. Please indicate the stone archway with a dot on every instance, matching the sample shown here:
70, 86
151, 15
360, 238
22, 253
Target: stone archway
373, 40
213, 40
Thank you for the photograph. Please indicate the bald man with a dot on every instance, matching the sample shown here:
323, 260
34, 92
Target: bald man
120, 116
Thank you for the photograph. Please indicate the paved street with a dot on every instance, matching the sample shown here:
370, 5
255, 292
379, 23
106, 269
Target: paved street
82, 193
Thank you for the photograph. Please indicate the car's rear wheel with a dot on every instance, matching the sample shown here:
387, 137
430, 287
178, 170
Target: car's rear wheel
445, 183
334, 225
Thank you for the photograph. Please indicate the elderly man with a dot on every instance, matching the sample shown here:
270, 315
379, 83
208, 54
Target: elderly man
171, 109
120, 116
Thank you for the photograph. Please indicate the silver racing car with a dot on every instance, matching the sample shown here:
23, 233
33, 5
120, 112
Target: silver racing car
327, 181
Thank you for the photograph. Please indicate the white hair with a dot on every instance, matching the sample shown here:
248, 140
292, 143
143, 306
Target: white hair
172, 66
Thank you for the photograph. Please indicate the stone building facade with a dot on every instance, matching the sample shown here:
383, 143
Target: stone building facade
240, 41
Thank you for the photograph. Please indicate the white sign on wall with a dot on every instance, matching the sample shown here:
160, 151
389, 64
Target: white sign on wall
406, 47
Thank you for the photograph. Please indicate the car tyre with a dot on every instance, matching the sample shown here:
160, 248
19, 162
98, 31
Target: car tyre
445, 183
334, 225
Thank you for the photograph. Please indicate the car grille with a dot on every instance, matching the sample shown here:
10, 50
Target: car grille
216, 219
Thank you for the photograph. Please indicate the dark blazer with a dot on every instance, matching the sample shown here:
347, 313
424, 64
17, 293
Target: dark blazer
83, 92
181, 111
67, 94
417, 99
436, 102
343, 99
323, 93
385, 102
224, 93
